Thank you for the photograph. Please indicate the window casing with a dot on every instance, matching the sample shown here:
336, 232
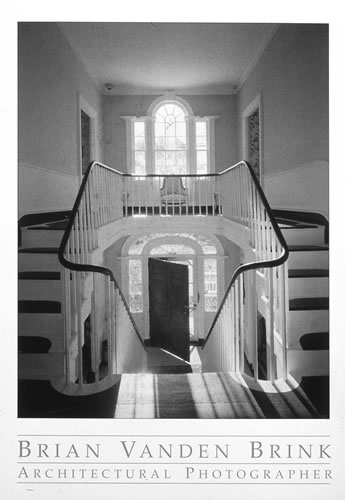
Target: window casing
175, 141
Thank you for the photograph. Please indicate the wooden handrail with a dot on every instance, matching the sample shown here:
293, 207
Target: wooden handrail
88, 267
257, 264
105, 271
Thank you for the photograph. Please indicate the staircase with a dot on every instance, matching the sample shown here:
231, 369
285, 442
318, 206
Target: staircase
308, 319
40, 322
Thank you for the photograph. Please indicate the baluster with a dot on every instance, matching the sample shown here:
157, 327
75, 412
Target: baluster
80, 332
241, 322
271, 325
108, 323
236, 326
140, 194
284, 315
66, 296
95, 351
254, 312
83, 231
113, 315
89, 219
252, 213
185, 183
193, 190
221, 197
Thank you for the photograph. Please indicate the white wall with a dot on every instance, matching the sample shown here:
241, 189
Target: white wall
50, 81
223, 106
292, 77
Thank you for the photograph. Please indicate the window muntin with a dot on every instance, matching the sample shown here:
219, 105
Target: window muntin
170, 140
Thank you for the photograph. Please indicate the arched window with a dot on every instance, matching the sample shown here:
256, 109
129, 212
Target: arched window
170, 140
172, 245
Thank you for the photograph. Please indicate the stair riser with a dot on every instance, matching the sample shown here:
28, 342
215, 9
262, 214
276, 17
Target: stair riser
301, 322
304, 236
308, 287
49, 326
308, 363
41, 238
38, 262
40, 290
309, 260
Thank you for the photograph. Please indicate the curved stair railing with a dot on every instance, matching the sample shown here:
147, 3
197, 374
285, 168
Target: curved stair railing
101, 338
258, 286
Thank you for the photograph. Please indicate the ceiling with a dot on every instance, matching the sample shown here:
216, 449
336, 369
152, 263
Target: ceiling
154, 58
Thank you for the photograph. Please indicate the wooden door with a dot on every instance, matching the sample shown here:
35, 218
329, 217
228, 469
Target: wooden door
169, 316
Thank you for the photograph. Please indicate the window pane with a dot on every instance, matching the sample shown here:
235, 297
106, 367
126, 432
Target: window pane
181, 158
160, 158
170, 138
160, 142
201, 129
201, 142
210, 276
170, 143
181, 143
139, 129
170, 131
139, 162
139, 143
159, 129
201, 158
181, 129
135, 286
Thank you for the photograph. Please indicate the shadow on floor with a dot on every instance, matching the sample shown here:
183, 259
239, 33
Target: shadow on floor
38, 399
317, 390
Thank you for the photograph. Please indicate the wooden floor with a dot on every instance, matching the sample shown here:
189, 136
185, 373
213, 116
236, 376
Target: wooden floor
172, 388
208, 395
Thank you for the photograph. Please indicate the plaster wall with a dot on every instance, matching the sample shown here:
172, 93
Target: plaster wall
292, 78
51, 80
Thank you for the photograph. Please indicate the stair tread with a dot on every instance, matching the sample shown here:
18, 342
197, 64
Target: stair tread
39, 275
39, 306
303, 248
315, 341
308, 273
309, 303
52, 250
55, 226
33, 345
291, 224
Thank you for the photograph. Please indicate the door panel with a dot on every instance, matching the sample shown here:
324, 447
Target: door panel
169, 316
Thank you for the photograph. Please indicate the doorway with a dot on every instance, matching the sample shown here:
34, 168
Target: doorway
85, 140
169, 306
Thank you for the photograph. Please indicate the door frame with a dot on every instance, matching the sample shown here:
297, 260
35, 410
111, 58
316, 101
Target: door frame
83, 105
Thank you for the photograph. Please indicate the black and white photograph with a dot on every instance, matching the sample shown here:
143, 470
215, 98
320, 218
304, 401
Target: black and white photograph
172, 252
173, 220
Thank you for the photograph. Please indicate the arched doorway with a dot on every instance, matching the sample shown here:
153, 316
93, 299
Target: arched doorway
203, 257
